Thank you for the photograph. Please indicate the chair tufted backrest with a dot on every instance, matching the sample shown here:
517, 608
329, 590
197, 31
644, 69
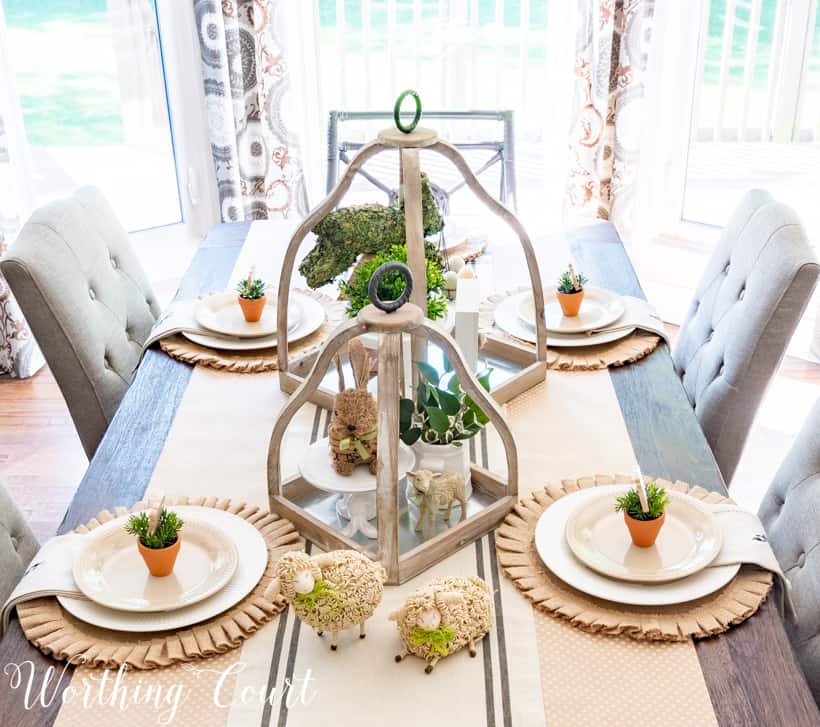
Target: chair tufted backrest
745, 309
17, 544
88, 302
790, 512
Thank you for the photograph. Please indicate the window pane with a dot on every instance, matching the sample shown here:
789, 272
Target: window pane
89, 77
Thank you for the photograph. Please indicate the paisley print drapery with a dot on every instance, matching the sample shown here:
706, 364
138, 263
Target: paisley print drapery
19, 354
610, 59
246, 77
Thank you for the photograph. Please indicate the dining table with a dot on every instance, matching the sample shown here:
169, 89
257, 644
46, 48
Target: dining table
750, 671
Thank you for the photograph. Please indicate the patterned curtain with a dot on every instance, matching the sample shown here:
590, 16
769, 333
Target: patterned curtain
19, 354
256, 155
610, 60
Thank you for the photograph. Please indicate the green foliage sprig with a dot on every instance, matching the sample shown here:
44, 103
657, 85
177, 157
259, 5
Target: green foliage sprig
251, 289
168, 526
392, 284
441, 414
565, 282
656, 498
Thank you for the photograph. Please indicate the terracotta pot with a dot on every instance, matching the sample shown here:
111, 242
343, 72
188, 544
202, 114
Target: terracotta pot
253, 309
644, 532
570, 302
160, 561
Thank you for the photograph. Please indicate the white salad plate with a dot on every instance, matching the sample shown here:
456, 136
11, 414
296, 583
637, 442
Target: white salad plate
507, 318
689, 540
317, 468
110, 570
221, 313
554, 551
599, 309
249, 569
311, 316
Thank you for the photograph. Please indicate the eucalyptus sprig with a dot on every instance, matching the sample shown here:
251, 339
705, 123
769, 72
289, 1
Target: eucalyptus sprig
441, 414
168, 526
657, 500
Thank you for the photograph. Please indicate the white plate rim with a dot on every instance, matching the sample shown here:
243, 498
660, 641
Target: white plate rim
365, 482
253, 545
229, 297
705, 559
506, 318
610, 302
312, 317
111, 527
554, 552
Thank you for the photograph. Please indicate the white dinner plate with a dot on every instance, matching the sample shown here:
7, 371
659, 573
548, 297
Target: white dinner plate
508, 320
317, 468
600, 308
110, 570
688, 541
221, 313
552, 547
250, 568
311, 317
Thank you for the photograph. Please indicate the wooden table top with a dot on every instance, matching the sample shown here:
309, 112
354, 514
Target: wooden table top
751, 671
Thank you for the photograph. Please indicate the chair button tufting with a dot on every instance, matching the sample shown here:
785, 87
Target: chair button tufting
801, 560
113, 263
15, 543
726, 269
92, 294
721, 369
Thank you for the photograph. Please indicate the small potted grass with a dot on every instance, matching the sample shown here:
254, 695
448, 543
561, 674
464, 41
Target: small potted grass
158, 539
252, 298
644, 525
570, 291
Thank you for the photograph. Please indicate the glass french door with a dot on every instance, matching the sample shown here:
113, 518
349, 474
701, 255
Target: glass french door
756, 116
89, 78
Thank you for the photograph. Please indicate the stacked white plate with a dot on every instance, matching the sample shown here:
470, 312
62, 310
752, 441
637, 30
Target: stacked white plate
209, 576
600, 309
584, 542
220, 313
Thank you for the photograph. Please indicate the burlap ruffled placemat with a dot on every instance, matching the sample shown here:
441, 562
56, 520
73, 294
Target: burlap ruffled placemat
250, 362
57, 633
587, 358
700, 618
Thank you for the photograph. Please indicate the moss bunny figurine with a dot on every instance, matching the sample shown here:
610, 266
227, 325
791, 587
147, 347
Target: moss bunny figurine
355, 416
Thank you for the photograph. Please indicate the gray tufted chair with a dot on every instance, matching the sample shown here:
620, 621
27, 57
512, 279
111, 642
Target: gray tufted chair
17, 544
746, 307
88, 302
790, 512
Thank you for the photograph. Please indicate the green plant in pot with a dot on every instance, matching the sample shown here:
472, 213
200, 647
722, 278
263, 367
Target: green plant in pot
644, 525
158, 539
441, 421
252, 298
570, 291
392, 284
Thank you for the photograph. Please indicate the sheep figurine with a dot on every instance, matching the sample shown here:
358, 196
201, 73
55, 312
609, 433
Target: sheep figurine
353, 424
329, 591
438, 489
443, 617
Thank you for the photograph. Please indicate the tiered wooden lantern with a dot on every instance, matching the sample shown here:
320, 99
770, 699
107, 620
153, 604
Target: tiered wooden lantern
409, 140
391, 319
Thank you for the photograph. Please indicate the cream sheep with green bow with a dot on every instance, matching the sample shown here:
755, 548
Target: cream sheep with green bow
442, 617
329, 591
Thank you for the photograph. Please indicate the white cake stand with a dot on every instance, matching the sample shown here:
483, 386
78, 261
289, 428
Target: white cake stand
357, 501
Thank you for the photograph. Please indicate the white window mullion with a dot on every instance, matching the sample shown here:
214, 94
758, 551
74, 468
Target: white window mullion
498, 50
725, 61
366, 13
796, 37
417, 39
391, 46
340, 52
775, 60
523, 52
749, 67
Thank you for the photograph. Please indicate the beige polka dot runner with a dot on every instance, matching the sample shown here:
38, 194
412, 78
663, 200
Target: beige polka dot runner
532, 670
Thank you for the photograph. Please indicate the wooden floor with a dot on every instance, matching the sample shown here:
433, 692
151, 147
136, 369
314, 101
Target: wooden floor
42, 461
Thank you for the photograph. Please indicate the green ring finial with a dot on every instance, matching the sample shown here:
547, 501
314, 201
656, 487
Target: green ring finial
397, 111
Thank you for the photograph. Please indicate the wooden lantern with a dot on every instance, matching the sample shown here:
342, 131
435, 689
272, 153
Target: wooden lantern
400, 566
409, 145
